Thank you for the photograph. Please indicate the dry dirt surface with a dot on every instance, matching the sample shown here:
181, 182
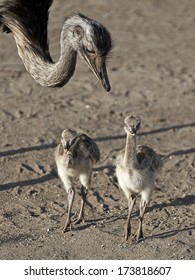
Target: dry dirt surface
152, 73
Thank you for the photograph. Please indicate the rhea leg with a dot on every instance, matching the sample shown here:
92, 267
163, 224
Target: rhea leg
70, 203
70, 191
143, 205
128, 225
85, 183
83, 200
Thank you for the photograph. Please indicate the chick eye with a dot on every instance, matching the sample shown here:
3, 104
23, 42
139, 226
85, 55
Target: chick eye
90, 50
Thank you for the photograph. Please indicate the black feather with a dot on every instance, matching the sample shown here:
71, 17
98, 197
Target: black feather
31, 17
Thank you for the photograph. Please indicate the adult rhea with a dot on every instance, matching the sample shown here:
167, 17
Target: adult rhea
28, 20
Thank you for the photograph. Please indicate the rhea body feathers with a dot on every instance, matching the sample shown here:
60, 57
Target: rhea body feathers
28, 20
139, 175
76, 152
136, 170
75, 156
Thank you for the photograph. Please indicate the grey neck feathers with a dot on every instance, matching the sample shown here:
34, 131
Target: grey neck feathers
130, 158
41, 67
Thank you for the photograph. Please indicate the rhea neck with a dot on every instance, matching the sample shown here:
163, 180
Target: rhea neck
130, 158
40, 65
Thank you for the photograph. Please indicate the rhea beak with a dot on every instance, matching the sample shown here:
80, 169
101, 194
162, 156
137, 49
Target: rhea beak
130, 130
98, 67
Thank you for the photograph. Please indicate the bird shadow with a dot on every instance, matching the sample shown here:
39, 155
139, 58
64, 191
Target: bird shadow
50, 176
153, 131
27, 149
179, 201
170, 233
102, 139
180, 152
100, 222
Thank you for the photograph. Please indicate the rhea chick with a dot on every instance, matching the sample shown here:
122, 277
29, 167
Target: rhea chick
136, 170
75, 156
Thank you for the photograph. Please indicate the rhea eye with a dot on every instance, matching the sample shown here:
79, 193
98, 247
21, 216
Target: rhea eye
90, 50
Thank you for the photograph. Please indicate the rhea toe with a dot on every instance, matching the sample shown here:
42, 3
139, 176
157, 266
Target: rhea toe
75, 155
136, 170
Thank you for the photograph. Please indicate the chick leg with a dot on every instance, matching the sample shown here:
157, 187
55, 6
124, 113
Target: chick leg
128, 225
71, 194
143, 205
80, 218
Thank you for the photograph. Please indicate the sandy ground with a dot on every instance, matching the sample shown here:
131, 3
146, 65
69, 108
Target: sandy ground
152, 73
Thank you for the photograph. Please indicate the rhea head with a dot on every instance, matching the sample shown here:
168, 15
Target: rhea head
68, 137
93, 42
132, 124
